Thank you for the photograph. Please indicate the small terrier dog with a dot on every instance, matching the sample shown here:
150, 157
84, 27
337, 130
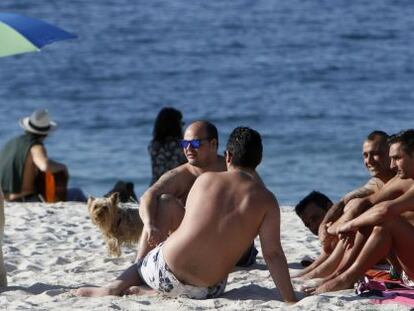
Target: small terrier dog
118, 225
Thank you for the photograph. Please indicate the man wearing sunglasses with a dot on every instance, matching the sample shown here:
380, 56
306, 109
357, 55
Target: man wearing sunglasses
169, 194
225, 211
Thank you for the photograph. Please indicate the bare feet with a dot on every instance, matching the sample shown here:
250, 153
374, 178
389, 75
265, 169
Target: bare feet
93, 292
338, 283
296, 274
140, 290
309, 286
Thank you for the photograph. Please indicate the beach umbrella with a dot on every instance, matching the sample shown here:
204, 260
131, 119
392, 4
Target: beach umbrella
21, 34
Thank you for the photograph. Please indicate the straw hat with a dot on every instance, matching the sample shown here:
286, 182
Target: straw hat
38, 123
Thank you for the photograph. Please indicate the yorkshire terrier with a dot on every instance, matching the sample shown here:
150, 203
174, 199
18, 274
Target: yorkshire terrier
118, 225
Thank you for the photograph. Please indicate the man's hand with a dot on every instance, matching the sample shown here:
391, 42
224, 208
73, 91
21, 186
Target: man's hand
326, 238
347, 233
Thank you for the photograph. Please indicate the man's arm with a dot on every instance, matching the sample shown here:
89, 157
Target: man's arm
273, 254
337, 210
381, 212
43, 163
171, 182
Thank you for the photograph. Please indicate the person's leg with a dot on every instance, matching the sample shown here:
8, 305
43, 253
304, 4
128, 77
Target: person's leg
403, 244
377, 246
128, 278
352, 253
318, 261
169, 215
329, 265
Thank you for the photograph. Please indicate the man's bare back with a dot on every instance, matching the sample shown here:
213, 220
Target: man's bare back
232, 205
224, 213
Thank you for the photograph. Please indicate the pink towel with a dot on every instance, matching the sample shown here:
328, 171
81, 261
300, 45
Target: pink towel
390, 291
403, 298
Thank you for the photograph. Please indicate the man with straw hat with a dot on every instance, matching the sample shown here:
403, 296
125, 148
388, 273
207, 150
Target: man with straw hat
24, 156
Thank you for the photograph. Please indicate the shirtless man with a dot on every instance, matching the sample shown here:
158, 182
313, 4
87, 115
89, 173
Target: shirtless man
334, 256
23, 156
170, 192
390, 213
224, 213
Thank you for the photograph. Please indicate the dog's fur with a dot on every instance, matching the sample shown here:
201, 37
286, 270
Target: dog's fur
3, 276
118, 225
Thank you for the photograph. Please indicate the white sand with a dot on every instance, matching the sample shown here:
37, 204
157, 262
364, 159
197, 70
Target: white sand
51, 248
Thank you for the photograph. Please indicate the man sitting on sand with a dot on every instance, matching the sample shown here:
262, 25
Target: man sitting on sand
24, 156
312, 210
170, 192
389, 213
224, 213
334, 256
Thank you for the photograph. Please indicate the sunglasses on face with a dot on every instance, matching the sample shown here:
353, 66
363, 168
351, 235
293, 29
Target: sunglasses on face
194, 143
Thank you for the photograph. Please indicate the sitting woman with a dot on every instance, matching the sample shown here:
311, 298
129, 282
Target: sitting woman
164, 149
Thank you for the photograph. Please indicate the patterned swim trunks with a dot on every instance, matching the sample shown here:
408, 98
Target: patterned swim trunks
156, 274
406, 280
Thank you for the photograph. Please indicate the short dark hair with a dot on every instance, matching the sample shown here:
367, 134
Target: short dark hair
405, 138
168, 124
316, 197
377, 135
245, 145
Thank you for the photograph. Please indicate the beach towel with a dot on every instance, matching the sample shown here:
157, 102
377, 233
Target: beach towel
389, 291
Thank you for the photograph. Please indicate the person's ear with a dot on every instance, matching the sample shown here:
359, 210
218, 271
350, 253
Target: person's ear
214, 143
229, 156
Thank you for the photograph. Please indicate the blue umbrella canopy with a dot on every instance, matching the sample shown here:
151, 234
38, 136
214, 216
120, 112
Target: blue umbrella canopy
21, 34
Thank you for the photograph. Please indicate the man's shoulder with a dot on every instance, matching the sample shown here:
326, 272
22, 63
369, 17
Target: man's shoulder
180, 175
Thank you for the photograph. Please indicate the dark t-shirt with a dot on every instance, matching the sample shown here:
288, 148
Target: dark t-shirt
12, 160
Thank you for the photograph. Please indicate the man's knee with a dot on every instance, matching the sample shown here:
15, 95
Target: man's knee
380, 230
166, 200
170, 211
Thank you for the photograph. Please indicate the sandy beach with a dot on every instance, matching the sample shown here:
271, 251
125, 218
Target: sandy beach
51, 248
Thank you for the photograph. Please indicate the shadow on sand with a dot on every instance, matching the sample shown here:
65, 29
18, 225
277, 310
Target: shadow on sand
39, 288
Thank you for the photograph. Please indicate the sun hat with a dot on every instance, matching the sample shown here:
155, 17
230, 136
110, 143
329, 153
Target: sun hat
38, 122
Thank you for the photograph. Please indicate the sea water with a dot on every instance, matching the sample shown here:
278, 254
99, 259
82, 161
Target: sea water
313, 77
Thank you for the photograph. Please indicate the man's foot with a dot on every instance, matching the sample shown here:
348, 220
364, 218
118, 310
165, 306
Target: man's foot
140, 290
296, 274
93, 292
338, 283
309, 286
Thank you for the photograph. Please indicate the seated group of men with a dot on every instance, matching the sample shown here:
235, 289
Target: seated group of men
201, 218
368, 225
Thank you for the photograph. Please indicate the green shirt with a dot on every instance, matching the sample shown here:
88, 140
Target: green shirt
12, 160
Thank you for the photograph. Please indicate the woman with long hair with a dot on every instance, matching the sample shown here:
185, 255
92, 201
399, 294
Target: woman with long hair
164, 148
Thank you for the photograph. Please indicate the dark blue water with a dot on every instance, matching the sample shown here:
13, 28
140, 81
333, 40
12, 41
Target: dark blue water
314, 77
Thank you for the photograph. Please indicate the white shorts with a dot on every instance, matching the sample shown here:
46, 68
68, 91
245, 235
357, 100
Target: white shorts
156, 274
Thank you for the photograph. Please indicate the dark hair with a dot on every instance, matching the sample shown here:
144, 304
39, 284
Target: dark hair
245, 145
36, 136
168, 124
405, 138
316, 197
380, 135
